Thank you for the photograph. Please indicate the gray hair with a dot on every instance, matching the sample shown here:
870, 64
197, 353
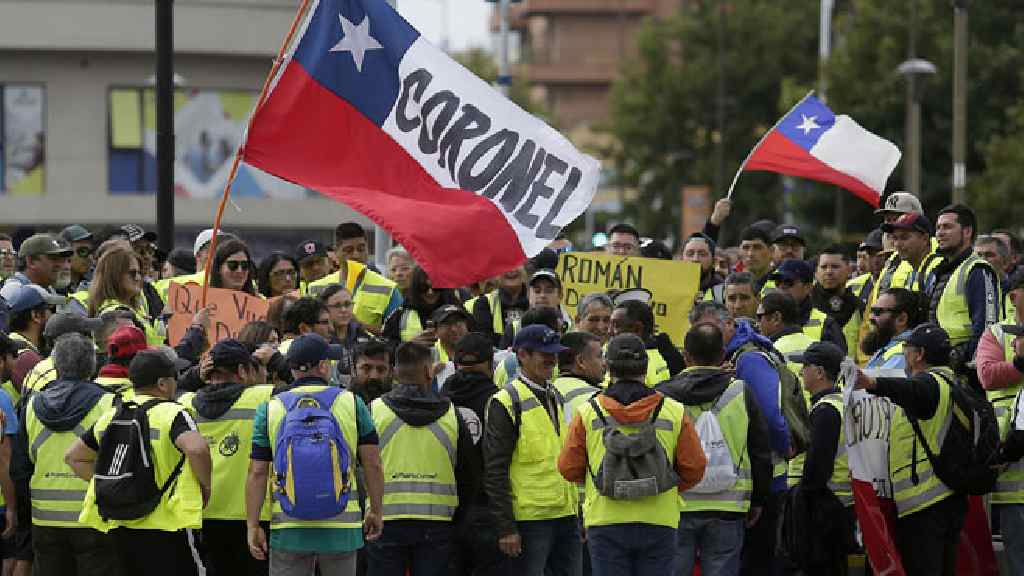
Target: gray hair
1001, 247
591, 299
74, 357
739, 278
709, 308
397, 251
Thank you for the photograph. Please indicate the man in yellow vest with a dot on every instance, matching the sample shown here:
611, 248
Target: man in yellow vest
162, 541
224, 410
871, 258
313, 262
796, 278
833, 296
534, 507
637, 536
372, 370
714, 514
295, 544
594, 315
451, 323
930, 514
69, 406
581, 370
965, 293
543, 291
825, 467
635, 317
429, 469
494, 310
895, 314
59, 324
778, 319
31, 307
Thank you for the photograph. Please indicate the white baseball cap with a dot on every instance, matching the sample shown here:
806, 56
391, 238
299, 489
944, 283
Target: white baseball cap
204, 238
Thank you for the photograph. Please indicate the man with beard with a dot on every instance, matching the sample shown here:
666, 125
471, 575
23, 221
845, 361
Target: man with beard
44, 260
871, 257
372, 374
831, 296
895, 314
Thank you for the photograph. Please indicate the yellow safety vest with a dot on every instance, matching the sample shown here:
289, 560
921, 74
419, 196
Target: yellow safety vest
791, 345
57, 493
839, 484
371, 292
731, 410
1009, 310
911, 497
815, 325
8, 385
121, 386
154, 337
181, 506
538, 490
419, 465
164, 286
1010, 484
894, 350
952, 312
659, 510
573, 392
494, 303
344, 410
468, 304
657, 369
39, 376
409, 324
230, 440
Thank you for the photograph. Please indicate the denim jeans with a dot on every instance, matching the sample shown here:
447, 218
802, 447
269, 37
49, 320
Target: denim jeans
1011, 525
716, 536
419, 546
550, 548
631, 549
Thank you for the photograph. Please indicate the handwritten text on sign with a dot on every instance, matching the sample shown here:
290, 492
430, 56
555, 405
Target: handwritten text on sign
672, 283
230, 310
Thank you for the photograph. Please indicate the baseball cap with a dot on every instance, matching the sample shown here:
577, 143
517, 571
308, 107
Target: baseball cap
134, 233
43, 244
442, 314
873, 241
824, 354
546, 274
929, 337
784, 231
9, 346
793, 269
639, 294
900, 202
910, 221
204, 237
126, 341
151, 364
311, 349
309, 249
473, 348
538, 338
70, 322
75, 232
29, 296
230, 353
626, 348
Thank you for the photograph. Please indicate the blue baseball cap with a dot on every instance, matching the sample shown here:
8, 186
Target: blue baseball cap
311, 349
29, 296
538, 338
793, 269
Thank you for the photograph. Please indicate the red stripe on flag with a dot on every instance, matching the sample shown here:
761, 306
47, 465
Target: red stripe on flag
779, 154
975, 555
877, 519
307, 135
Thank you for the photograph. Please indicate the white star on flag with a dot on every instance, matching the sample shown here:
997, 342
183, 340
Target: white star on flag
808, 124
357, 40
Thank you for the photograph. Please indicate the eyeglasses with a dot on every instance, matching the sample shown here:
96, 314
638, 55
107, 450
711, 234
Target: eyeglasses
340, 305
236, 265
283, 272
7, 253
134, 274
83, 251
878, 310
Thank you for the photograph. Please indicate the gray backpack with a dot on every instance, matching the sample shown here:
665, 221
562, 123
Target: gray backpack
635, 465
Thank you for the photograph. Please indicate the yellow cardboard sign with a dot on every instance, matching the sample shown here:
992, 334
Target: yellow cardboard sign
672, 283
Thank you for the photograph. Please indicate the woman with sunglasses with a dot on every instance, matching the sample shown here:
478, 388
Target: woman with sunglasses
411, 320
233, 267
345, 329
278, 274
117, 283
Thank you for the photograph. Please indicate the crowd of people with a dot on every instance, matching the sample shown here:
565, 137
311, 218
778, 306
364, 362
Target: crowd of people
376, 424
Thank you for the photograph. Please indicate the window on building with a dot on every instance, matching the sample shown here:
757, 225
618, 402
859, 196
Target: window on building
22, 139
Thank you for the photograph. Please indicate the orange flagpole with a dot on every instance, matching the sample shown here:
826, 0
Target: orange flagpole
238, 153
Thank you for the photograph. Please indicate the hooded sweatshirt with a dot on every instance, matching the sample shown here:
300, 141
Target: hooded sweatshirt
213, 400
703, 385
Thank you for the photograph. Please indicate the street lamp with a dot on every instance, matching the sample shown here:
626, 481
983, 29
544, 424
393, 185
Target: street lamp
912, 70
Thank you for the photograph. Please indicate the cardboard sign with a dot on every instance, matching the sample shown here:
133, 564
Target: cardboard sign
230, 310
672, 283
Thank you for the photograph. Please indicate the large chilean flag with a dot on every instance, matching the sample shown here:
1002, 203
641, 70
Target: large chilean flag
812, 142
367, 112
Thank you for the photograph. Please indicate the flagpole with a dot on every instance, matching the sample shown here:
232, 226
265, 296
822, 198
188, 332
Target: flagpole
758, 145
238, 153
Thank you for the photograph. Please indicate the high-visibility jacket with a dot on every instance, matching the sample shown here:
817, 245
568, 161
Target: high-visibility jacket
1010, 484
164, 286
497, 318
659, 510
657, 369
789, 346
906, 452
952, 313
181, 506
154, 335
731, 409
815, 325
57, 493
573, 393
39, 376
8, 385
371, 292
230, 439
894, 348
419, 465
538, 490
117, 385
839, 484
344, 410
409, 324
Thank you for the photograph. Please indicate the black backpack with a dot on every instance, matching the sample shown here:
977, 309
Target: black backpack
970, 448
126, 486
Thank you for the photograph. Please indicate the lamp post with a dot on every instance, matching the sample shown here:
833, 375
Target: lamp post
960, 34
165, 123
913, 70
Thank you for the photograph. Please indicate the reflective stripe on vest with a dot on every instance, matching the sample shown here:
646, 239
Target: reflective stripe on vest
409, 325
371, 292
904, 446
815, 325
734, 421
574, 392
1010, 484
419, 465
839, 483
952, 313
497, 320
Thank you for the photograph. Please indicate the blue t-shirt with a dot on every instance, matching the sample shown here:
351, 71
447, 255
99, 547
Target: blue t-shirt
10, 416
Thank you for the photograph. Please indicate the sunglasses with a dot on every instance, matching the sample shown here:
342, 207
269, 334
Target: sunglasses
236, 265
83, 251
878, 310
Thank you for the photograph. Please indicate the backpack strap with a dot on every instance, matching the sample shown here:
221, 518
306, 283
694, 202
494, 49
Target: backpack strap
517, 407
597, 409
919, 434
143, 409
657, 410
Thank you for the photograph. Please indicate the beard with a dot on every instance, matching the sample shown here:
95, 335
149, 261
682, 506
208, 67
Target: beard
371, 389
877, 338
63, 280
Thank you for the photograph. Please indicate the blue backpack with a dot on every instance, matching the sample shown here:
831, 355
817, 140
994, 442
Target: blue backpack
311, 457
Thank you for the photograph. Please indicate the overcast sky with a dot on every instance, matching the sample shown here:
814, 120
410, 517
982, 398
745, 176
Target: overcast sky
467, 21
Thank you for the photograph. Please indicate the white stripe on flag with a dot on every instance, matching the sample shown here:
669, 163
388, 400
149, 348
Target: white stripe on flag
852, 150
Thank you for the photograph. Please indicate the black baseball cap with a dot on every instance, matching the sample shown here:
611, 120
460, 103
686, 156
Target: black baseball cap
793, 269
546, 274
538, 338
626, 348
9, 346
311, 349
824, 354
873, 241
150, 365
134, 233
929, 337
444, 313
473, 348
310, 249
75, 233
784, 231
230, 353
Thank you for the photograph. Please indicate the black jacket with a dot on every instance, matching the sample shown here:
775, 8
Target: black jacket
483, 320
702, 385
213, 401
840, 305
830, 332
826, 424
918, 395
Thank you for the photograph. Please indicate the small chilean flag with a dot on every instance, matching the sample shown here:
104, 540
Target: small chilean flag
366, 111
812, 142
